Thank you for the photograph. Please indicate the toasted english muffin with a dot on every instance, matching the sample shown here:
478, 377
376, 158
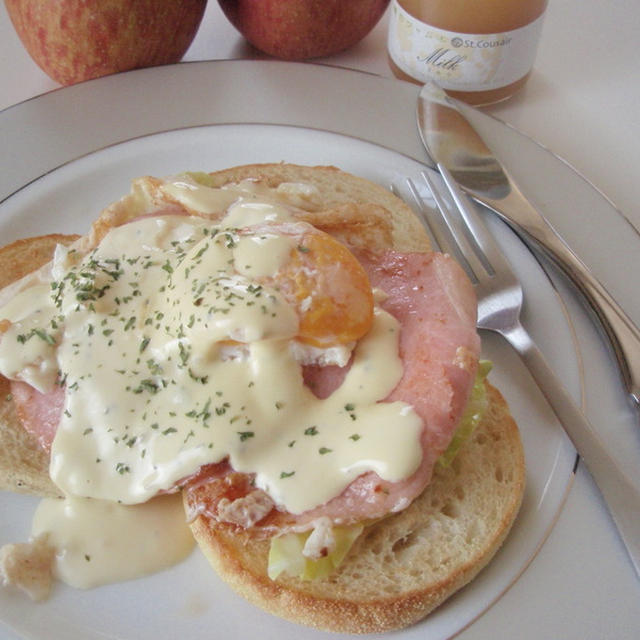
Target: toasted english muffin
403, 566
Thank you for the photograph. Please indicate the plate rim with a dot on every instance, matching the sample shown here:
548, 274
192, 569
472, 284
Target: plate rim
417, 157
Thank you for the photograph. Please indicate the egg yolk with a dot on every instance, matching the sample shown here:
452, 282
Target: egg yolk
329, 289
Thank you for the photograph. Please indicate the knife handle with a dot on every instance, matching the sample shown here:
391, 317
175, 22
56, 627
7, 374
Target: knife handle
621, 495
623, 335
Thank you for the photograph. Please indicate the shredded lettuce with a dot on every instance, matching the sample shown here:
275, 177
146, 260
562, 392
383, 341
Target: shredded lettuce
473, 413
285, 554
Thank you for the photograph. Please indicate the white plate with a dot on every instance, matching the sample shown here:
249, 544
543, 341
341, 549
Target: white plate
102, 177
57, 128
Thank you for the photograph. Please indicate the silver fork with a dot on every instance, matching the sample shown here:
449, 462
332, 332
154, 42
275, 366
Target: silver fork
499, 305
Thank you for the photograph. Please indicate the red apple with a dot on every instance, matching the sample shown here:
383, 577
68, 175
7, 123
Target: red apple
74, 40
301, 29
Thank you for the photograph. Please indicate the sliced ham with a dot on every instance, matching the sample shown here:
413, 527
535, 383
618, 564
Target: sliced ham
435, 305
39, 412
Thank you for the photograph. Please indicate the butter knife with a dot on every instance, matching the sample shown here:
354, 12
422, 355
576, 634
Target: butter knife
453, 143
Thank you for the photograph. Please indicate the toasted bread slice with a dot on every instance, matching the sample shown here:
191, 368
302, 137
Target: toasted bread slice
351, 208
24, 466
404, 566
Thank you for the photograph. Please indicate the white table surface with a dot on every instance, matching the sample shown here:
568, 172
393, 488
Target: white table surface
583, 104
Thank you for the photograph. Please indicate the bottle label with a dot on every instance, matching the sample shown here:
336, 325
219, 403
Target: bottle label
461, 61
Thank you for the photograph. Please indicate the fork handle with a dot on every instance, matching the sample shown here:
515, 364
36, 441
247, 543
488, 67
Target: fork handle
623, 335
620, 494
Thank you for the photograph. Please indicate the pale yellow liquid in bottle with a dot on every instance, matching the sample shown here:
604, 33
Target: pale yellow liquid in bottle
477, 17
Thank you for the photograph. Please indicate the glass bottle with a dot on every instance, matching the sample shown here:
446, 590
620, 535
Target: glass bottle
480, 51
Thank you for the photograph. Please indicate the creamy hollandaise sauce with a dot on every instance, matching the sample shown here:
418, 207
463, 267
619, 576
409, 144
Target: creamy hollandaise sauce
98, 542
178, 345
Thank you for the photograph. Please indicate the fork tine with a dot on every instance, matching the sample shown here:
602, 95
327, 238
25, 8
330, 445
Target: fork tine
422, 201
434, 224
422, 207
470, 259
487, 249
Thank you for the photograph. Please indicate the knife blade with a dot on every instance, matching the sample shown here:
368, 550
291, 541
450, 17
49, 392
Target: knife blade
453, 143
